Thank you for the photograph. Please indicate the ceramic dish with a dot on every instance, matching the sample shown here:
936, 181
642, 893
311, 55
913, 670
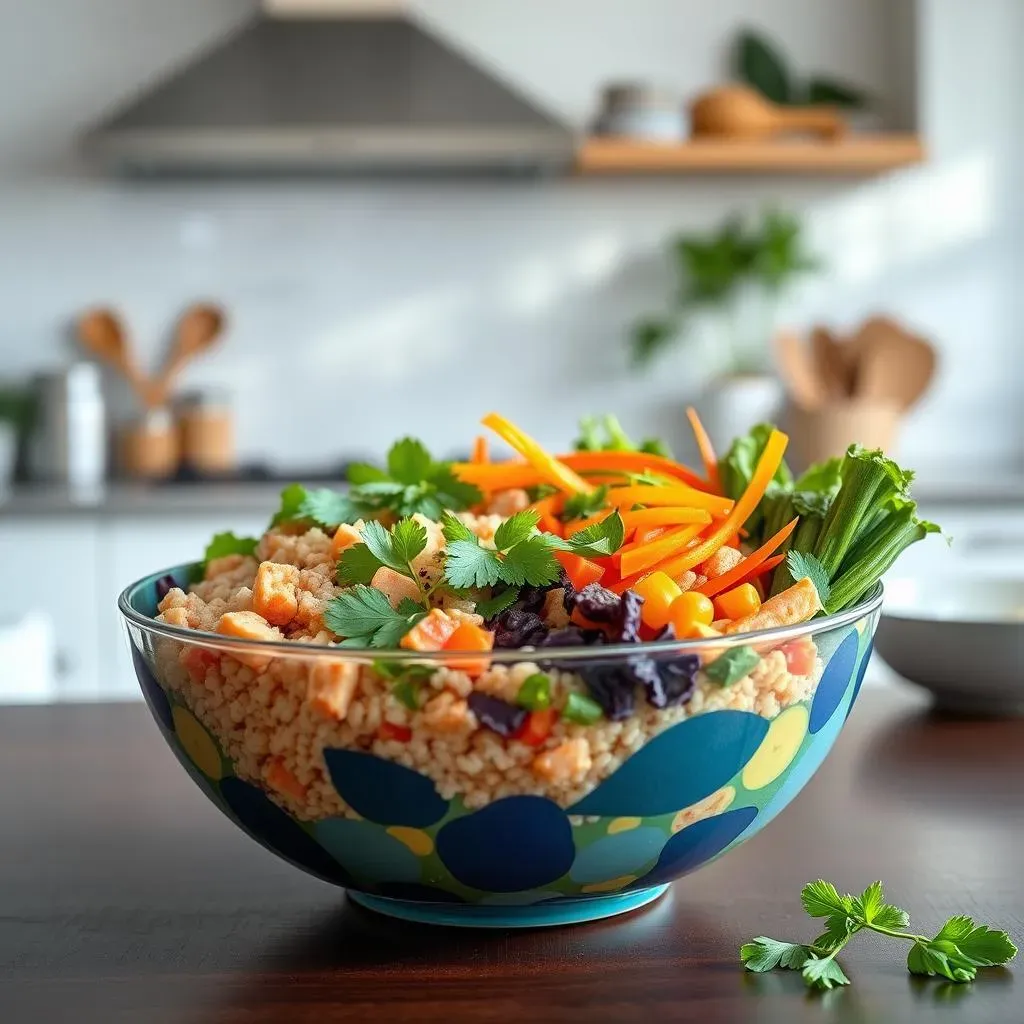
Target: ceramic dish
694, 790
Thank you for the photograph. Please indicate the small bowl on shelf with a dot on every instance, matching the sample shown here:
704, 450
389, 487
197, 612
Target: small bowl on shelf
962, 640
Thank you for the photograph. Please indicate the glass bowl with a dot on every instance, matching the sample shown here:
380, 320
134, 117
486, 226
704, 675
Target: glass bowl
431, 815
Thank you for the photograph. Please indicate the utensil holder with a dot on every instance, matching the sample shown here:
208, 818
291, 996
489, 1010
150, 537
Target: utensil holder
148, 448
817, 434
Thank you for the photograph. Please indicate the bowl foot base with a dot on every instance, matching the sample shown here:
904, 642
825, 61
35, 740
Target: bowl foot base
539, 915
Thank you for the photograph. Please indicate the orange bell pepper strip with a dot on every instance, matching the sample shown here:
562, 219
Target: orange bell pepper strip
537, 727
548, 467
497, 476
747, 566
678, 496
481, 453
668, 516
635, 558
548, 509
769, 462
581, 571
706, 449
633, 462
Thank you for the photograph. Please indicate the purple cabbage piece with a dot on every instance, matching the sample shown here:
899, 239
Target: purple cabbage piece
164, 586
503, 718
630, 607
613, 689
518, 628
597, 604
677, 680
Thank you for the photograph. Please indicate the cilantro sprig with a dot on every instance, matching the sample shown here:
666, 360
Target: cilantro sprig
365, 618
956, 952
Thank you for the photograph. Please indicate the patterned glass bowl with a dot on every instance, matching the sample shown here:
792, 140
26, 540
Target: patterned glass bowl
690, 785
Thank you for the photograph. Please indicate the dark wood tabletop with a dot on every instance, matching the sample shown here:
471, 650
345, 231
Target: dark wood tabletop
125, 896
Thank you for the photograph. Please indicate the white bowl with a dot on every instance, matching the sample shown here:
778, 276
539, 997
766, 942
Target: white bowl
961, 639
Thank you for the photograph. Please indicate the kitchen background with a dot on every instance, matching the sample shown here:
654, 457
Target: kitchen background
359, 308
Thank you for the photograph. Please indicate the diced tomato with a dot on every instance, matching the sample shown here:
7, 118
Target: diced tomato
429, 634
537, 727
197, 661
800, 655
581, 571
468, 637
390, 731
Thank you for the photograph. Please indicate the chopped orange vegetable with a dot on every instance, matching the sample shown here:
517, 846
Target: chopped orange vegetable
332, 684
537, 727
689, 609
497, 476
756, 576
769, 462
344, 537
481, 453
581, 571
275, 592
389, 731
699, 631
633, 462
548, 509
666, 516
658, 592
800, 656
738, 602
748, 565
470, 637
430, 633
797, 604
706, 449
675, 496
280, 779
548, 467
635, 558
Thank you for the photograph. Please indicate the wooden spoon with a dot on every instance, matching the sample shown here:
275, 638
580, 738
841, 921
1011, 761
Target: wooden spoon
199, 327
895, 365
798, 370
830, 363
103, 335
739, 112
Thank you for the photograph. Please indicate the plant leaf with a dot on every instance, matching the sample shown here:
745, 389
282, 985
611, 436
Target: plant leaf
328, 508
803, 565
599, 539
823, 973
469, 565
765, 954
292, 498
497, 603
408, 540
822, 899
531, 562
357, 564
984, 946
516, 529
409, 462
761, 65
822, 90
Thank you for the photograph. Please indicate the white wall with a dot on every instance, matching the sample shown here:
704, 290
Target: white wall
361, 310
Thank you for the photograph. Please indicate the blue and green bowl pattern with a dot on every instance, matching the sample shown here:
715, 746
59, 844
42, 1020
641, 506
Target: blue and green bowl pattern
524, 860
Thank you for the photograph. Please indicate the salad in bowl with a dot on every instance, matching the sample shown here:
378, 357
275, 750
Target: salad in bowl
532, 690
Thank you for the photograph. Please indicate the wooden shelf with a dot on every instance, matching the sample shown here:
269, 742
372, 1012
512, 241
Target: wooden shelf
853, 155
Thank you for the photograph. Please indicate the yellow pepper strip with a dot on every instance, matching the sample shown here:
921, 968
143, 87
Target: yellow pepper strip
548, 467
769, 462
669, 497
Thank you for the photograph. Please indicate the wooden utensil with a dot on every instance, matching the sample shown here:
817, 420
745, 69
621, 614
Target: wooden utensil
103, 335
830, 363
199, 327
736, 111
798, 370
894, 364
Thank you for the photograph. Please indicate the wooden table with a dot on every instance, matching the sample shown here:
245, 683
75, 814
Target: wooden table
125, 896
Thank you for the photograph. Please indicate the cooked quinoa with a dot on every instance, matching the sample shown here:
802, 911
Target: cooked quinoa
275, 716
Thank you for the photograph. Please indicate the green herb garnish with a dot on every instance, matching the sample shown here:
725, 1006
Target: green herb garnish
584, 505
955, 953
732, 666
224, 544
805, 566
581, 709
363, 616
498, 602
405, 679
396, 548
535, 693
606, 435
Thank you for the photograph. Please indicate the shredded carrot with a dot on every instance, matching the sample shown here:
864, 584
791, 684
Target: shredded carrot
636, 558
497, 476
548, 509
707, 451
481, 453
749, 565
550, 469
634, 462
666, 516
669, 497
769, 462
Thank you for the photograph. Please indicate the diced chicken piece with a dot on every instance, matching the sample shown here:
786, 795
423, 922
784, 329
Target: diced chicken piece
274, 592
508, 503
394, 586
724, 559
568, 762
248, 626
344, 537
283, 781
224, 564
175, 617
331, 687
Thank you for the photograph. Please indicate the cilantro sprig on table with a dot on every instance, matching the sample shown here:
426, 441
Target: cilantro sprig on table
956, 952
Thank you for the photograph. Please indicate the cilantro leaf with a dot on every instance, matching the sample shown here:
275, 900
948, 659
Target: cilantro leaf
408, 540
516, 529
455, 529
497, 603
409, 462
803, 565
328, 508
823, 973
985, 946
583, 506
360, 473
838, 928
531, 562
292, 498
600, 539
364, 618
765, 954
822, 899
358, 564
869, 902
224, 544
453, 492
469, 565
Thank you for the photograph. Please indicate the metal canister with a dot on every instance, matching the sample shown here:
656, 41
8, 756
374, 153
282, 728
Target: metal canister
70, 442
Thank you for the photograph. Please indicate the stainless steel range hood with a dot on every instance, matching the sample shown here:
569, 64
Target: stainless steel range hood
361, 95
